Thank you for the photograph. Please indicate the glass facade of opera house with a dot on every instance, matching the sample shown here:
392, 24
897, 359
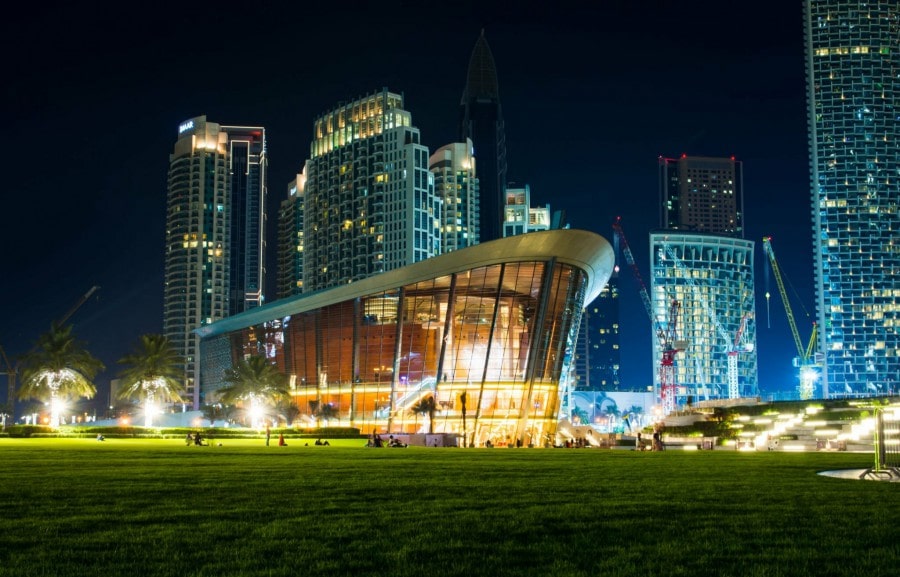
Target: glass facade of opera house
486, 330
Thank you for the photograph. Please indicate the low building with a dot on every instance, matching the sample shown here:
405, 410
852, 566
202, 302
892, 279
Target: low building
486, 331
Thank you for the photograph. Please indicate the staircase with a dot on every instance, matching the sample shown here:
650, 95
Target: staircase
808, 432
412, 395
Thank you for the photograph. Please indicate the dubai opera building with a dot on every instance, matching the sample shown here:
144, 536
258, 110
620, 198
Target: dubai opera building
487, 330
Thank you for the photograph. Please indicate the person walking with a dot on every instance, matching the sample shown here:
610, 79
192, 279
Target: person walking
268, 433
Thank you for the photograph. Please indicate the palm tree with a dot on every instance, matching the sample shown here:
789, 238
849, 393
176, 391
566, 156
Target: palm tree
257, 382
637, 412
287, 411
153, 372
426, 406
58, 366
326, 411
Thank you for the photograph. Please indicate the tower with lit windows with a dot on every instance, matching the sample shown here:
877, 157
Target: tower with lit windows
701, 194
290, 239
596, 360
369, 201
215, 232
520, 217
852, 59
456, 185
700, 259
481, 121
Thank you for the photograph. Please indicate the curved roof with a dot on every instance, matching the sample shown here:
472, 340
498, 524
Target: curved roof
481, 82
586, 250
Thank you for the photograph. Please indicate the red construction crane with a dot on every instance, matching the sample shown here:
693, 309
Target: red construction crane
665, 332
734, 346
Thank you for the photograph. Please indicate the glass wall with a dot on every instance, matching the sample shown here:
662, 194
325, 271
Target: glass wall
489, 344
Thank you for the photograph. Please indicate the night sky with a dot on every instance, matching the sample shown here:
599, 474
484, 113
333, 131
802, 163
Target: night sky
592, 94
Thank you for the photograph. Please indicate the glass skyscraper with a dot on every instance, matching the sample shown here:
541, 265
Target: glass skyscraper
852, 65
700, 260
596, 361
453, 166
215, 232
482, 122
369, 204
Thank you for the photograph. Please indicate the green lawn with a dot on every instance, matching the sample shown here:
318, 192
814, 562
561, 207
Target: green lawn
158, 508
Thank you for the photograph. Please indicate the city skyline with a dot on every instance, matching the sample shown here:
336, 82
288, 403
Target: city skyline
591, 99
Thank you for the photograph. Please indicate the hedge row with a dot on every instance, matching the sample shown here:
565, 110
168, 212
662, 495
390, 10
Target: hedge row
22, 431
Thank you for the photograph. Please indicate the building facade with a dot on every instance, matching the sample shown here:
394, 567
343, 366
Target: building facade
711, 277
699, 260
290, 239
483, 330
481, 121
702, 194
369, 200
852, 59
520, 217
597, 358
455, 183
215, 232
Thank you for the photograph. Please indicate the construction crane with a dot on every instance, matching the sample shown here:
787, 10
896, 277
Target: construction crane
12, 370
665, 332
77, 306
805, 359
737, 347
732, 346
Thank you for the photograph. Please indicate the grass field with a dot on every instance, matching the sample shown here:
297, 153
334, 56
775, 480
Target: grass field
72, 507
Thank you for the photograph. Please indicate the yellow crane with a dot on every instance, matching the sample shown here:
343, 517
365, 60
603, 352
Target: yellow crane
806, 359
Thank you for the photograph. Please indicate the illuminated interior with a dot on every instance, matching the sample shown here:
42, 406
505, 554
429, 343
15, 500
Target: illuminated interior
495, 333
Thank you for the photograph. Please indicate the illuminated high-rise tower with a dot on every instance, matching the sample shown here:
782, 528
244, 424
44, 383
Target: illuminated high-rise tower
702, 194
456, 185
852, 63
369, 204
597, 358
215, 232
290, 239
482, 123
700, 259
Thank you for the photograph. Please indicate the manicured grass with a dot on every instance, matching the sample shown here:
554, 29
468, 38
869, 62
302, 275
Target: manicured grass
158, 508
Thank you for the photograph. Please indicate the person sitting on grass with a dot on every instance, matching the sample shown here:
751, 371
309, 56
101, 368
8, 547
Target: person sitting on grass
100, 437
198, 440
281, 442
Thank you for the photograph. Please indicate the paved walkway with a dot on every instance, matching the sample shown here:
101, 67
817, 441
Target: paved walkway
854, 474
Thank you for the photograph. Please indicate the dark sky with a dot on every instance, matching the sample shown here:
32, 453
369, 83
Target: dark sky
592, 94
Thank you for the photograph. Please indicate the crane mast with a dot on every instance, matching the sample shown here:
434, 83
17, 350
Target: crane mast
665, 334
805, 359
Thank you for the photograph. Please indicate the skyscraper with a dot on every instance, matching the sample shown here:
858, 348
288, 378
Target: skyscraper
215, 231
456, 185
701, 194
852, 63
290, 239
700, 259
482, 123
369, 200
597, 358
